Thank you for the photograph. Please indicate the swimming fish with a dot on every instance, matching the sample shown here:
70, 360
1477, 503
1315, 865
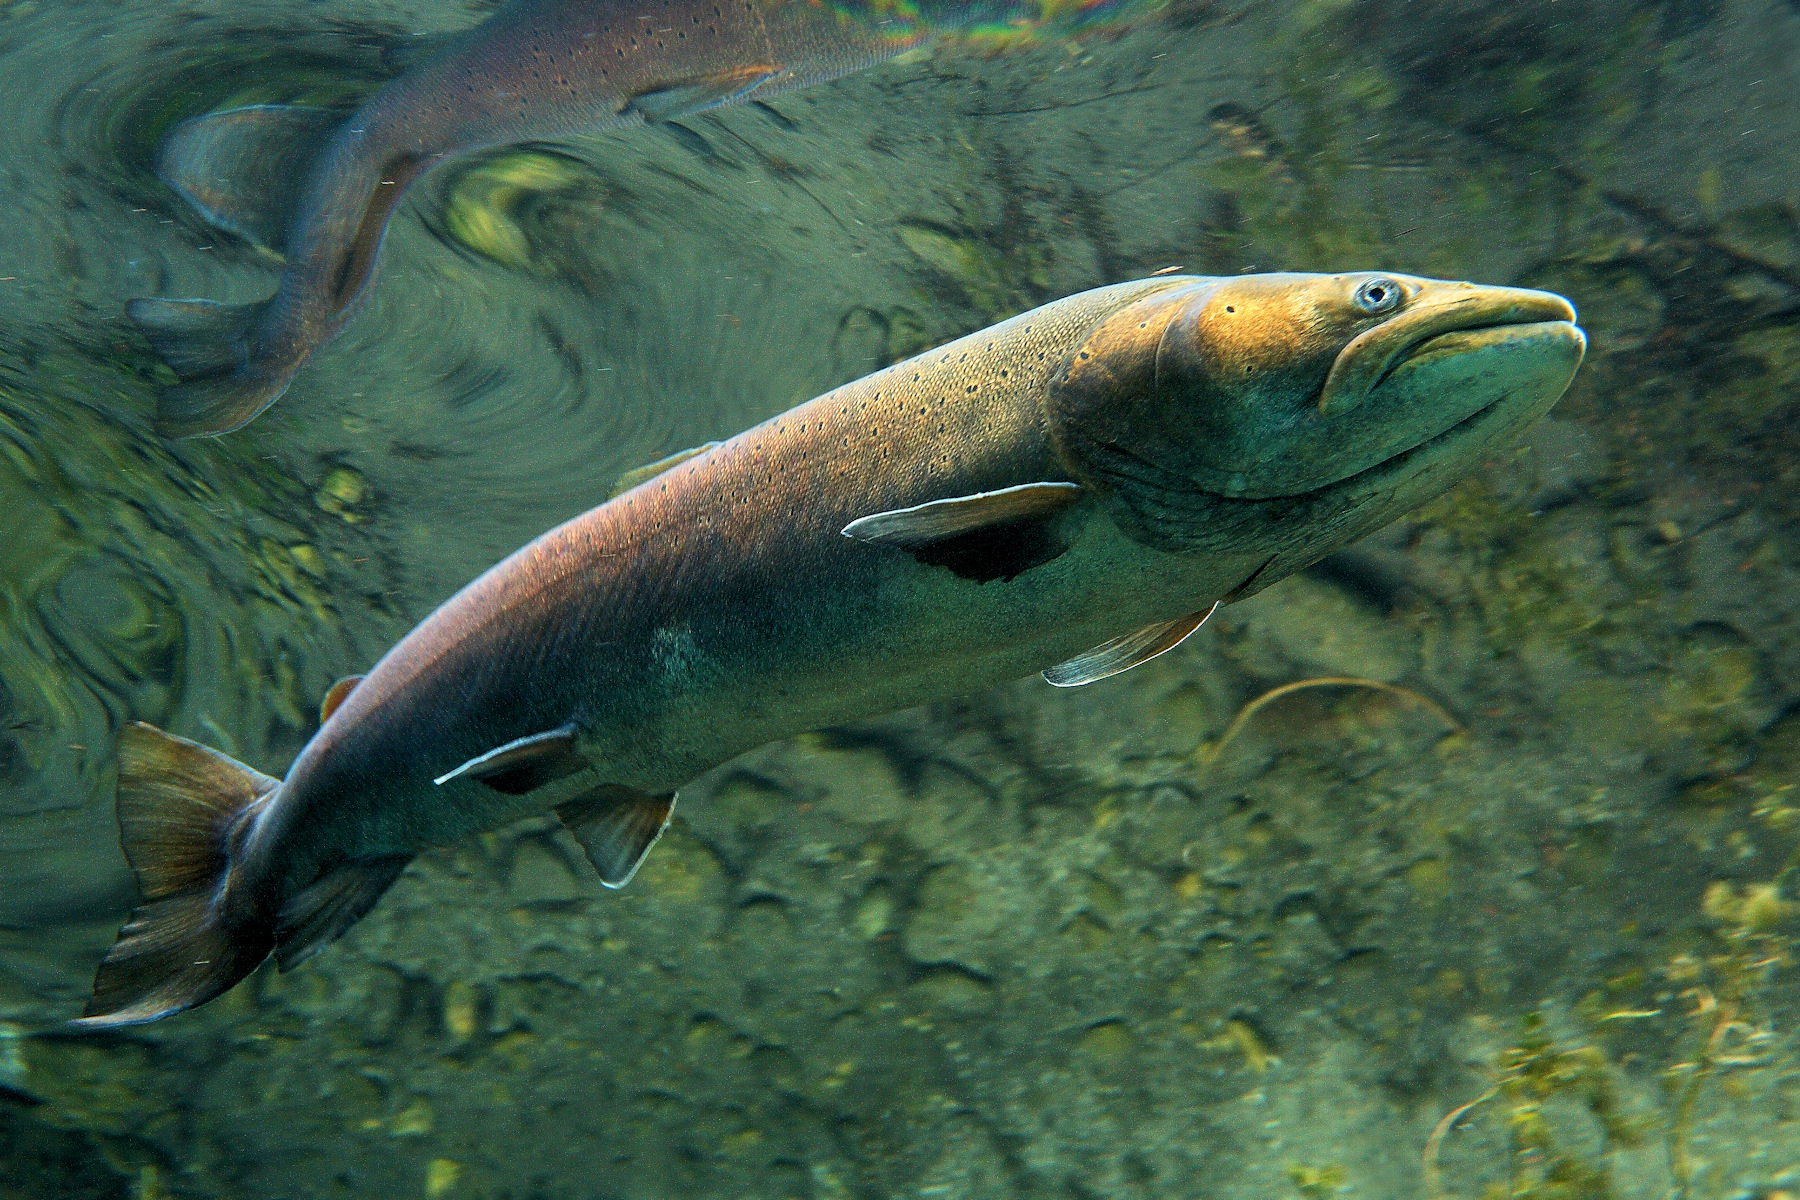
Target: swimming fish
1074, 490
537, 69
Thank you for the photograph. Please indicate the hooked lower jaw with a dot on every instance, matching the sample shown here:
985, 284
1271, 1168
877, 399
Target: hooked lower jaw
1381, 491
1516, 406
1371, 358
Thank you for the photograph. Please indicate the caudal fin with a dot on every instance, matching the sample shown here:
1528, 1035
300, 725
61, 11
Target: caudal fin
242, 168
207, 344
178, 802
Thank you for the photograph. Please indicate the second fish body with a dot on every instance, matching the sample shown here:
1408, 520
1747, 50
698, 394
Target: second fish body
321, 189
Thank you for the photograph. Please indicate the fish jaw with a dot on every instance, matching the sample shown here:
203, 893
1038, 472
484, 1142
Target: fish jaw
1364, 364
1508, 376
1523, 368
1453, 391
1269, 410
1279, 379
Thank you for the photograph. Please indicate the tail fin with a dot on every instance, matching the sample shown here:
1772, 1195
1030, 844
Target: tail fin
178, 802
208, 345
242, 168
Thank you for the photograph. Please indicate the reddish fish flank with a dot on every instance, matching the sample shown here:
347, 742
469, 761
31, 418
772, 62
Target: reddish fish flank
1070, 491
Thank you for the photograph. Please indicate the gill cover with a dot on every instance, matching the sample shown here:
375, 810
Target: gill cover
1111, 422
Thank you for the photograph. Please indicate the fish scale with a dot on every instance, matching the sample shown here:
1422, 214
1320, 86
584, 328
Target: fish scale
1040, 495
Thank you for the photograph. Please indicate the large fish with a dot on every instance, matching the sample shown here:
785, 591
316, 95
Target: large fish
1074, 488
537, 69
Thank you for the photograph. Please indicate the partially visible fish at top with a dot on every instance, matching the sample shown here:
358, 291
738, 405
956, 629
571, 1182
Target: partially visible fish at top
321, 189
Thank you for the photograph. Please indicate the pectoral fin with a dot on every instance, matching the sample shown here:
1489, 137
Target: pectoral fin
986, 536
1124, 653
525, 764
241, 168
681, 97
616, 827
649, 471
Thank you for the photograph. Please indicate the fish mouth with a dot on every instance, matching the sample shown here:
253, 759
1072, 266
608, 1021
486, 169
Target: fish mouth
1373, 496
1561, 344
1372, 357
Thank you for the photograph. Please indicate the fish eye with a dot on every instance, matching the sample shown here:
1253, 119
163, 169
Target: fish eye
1376, 296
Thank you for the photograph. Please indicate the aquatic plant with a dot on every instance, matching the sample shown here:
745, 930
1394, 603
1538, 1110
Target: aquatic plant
1209, 753
1713, 1022
1536, 1073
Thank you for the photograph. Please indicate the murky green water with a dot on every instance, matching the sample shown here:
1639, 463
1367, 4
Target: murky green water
1511, 913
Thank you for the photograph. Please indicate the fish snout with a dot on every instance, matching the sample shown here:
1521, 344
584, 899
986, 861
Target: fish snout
1437, 309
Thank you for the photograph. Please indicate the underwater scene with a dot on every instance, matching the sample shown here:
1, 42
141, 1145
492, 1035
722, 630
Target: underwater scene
875, 599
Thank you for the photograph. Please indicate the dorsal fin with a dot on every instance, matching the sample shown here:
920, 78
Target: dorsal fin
985, 536
1124, 653
651, 470
241, 168
336, 695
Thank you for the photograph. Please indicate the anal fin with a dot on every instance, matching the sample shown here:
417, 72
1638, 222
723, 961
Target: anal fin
524, 764
1123, 653
616, 827
984, 536
241, 167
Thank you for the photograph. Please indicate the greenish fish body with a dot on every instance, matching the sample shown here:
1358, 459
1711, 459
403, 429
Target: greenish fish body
1072, 491
538, 69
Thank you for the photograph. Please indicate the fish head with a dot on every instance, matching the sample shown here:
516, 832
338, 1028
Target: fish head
1303, 409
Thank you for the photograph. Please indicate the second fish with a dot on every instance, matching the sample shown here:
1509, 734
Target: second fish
537, 69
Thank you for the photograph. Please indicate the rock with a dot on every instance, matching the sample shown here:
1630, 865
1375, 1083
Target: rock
957, 917
1325, 631
949, 992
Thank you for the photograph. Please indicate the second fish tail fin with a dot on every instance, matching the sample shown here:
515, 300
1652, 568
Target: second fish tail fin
206, 344
243, 168
191, 939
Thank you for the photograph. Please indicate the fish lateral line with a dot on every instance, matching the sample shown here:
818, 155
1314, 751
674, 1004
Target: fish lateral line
1091, 466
